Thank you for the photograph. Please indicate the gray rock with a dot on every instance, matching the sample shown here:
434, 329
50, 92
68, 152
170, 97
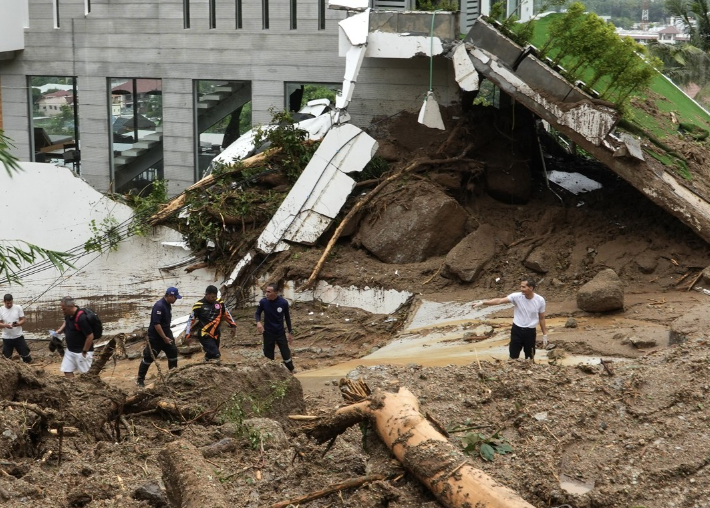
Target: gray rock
152, 493
449, 179
601, 294
693, 324
271, 432
480, 331
471, 255
539, 261
647, 262
571, 323
420, 222
642, 343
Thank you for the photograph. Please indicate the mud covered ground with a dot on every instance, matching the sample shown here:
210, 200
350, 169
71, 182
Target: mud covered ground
631, 436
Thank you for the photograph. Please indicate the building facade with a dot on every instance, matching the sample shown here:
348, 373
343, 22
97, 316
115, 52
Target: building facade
172, 70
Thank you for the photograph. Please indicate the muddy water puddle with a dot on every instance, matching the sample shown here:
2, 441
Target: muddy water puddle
433, 337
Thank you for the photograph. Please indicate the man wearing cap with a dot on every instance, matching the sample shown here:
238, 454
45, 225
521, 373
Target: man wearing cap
160, 337
205, 320
11, 320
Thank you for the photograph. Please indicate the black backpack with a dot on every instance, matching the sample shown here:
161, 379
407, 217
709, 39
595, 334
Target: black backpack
94, 322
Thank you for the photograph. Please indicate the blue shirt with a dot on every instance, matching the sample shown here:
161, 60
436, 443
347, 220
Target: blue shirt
161, 315
275, 311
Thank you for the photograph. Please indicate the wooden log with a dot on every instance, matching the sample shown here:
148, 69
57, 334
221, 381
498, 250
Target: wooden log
427, 454
222, 446
349, 484
98, 364
189, 480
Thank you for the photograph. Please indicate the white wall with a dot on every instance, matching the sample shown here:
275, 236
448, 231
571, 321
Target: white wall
13, 14
48, 206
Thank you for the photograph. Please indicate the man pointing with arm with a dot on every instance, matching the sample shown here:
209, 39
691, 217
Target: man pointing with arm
529, 310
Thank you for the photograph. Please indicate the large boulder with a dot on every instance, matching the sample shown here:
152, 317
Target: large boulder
601, 294
417, 223
539, 260
471, 255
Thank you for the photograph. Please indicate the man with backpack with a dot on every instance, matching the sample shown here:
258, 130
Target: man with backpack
79, 330
160, 337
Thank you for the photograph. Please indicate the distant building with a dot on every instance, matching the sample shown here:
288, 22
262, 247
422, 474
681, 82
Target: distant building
51, 104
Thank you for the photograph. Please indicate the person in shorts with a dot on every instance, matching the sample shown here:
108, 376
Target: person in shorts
11, 320
79, 337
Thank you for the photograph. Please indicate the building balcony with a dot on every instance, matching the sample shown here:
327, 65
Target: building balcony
13, 20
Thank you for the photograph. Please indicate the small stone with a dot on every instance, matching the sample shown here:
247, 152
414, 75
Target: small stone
571, 323
152, 493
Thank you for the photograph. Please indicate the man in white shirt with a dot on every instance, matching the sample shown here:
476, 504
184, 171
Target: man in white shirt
529, 310
11, 320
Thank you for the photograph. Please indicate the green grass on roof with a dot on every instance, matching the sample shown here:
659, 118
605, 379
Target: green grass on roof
651, 110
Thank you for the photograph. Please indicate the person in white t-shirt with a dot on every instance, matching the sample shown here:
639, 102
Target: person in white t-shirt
11, 320
529, 310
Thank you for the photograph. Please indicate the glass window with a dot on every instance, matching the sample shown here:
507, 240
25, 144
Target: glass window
136, 127
298, 94
54, 126
222, 113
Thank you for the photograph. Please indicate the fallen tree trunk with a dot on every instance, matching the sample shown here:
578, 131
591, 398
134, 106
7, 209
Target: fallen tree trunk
189, 481
438, 464
106, 353
177, 203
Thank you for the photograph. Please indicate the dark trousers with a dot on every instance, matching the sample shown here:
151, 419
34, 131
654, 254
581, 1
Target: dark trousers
157, 345
211, 347
522, 338
19, 344
270, 342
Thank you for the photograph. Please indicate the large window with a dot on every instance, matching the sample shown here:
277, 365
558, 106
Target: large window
222, 114
298, 94
54, 128
136, 132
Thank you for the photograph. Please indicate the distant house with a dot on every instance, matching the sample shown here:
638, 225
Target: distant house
51, 104
671, 35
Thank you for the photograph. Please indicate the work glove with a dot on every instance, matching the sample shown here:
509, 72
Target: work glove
544, 341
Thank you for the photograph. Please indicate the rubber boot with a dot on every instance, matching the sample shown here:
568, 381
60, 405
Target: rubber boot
142, 371
172, 363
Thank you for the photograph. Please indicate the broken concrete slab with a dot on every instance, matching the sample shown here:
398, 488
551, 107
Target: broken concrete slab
430, 114
353, 61
465, 72
576, 183
631, 147
320, 191
356, 28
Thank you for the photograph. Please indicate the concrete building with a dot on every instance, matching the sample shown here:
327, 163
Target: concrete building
211, 60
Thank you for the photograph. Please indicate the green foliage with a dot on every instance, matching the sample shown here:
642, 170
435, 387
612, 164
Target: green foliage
104, 236
242, 406
695, 15
144, 207
13, 257
9, 161
373, 170
438, 5
486, 447
295, 154
591, 51
315, 91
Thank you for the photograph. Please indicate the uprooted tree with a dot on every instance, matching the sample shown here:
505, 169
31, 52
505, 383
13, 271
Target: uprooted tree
419, 446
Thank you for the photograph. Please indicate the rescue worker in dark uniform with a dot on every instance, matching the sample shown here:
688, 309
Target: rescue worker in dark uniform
160, 337
275, 309
205, 320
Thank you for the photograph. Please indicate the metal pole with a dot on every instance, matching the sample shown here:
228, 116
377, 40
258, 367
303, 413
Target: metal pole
76, 164
135, 111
